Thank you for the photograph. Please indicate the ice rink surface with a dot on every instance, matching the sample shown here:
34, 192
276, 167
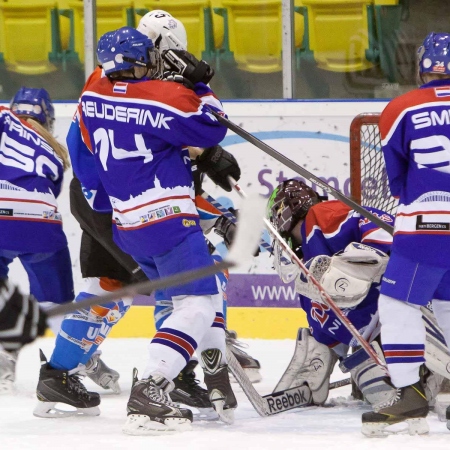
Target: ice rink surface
332, 428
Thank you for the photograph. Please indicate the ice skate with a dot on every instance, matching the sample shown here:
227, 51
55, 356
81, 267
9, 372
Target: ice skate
59, 386
188, 391
150, 411
101, 374
405, 413
250, 365
218, 383
7, 371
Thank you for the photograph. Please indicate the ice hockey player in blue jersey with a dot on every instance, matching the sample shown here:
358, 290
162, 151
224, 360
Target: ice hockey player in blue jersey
32, 165
335, 241
106, 267
147, 176
415, 136
327, 234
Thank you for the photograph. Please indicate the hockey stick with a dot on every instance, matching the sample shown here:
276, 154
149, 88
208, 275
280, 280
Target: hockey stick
325, 296
276, 402
270, 404
303, 172
246, 241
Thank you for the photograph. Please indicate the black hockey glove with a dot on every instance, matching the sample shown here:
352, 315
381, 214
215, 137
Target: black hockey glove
177, 78
186, 64
226, 229
21, 319
218, 164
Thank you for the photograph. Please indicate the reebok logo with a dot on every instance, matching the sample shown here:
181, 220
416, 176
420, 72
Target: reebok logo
287, 400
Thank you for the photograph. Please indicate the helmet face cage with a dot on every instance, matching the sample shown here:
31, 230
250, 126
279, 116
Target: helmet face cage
434, 54
34, 103
289, 203
126, 49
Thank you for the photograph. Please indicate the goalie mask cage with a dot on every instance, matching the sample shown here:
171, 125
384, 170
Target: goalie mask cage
368, 178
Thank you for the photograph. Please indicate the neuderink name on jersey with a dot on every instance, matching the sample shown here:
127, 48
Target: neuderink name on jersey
125, 114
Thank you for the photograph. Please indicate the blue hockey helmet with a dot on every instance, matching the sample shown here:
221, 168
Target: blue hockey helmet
34, 103
434, 54
127, 48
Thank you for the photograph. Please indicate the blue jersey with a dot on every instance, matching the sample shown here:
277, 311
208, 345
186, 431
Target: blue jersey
137, 133
328, 228
415, 132
31, 175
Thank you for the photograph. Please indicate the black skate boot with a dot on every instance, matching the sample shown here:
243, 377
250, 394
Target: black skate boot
250, 365
59, 386
218, 383
409, 405
101, 374
188, 391
150, 411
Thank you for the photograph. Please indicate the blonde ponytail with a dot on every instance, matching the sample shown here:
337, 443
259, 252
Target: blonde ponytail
59, 149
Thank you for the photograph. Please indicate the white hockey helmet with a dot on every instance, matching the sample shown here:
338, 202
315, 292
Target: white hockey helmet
164, 30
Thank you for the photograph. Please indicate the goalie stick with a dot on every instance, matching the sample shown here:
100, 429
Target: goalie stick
245, 243
276, 402
303, 172
326, 298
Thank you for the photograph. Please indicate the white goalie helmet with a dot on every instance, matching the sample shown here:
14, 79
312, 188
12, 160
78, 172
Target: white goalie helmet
164, 30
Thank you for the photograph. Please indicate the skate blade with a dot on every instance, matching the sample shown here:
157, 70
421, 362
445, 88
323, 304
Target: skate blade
254, 376
440, 406
141, 425
225, 415
412, 427
48, 410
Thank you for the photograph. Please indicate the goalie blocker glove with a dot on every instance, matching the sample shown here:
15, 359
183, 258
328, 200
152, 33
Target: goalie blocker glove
219, 164
21, 319
186, 64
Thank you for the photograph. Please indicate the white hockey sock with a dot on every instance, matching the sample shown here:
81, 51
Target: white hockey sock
403, 339
441, 309
174, 343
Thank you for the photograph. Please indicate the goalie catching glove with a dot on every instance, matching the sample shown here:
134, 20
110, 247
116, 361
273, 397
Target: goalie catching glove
187, 65
347, 276
218, 164
21, 319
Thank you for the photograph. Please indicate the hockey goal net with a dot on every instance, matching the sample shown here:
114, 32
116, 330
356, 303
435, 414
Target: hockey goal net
368, 178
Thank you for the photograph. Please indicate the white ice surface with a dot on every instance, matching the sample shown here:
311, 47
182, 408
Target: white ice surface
331, 428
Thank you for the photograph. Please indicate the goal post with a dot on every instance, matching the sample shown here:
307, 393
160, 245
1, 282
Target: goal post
368, 178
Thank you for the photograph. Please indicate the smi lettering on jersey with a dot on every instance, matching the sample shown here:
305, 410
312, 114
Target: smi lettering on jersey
415, 135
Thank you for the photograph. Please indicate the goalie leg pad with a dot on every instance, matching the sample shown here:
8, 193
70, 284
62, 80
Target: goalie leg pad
312, 364
369, 377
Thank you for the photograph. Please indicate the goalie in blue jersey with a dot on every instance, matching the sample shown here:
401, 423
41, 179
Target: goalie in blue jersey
348, 255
